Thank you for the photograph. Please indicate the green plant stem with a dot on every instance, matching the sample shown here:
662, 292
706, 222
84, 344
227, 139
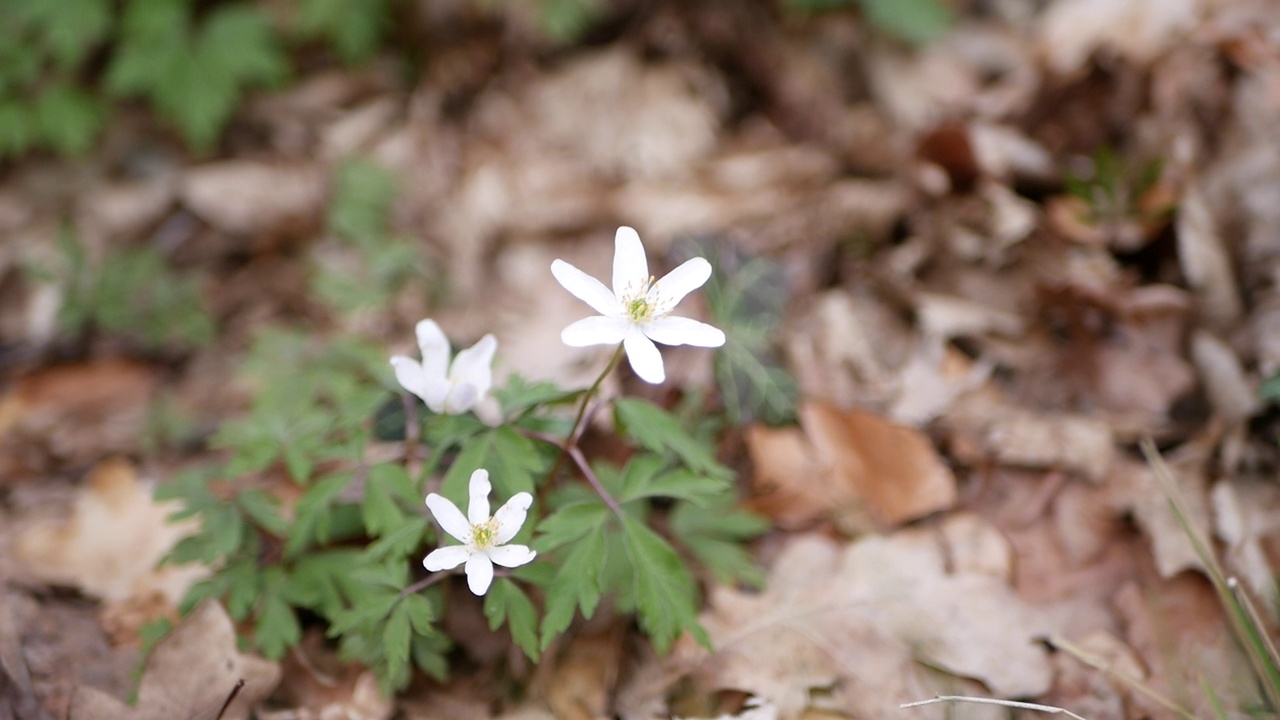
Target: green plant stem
569, 447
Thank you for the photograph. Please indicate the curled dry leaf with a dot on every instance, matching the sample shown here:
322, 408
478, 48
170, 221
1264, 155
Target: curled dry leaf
110, 545
860, 618
1206, 262
1071, 30
844, 462
190, 673
1137, 487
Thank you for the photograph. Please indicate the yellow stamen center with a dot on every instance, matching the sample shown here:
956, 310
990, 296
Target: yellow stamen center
484, 534
639, 305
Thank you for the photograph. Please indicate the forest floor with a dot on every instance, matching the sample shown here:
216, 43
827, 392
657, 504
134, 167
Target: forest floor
1004, 258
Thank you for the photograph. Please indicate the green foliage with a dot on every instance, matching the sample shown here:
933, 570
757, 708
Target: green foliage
353, 27
191, 61
375, 264
566, 21
131, 293
748, 297
1113, 187
916, 21
193, 71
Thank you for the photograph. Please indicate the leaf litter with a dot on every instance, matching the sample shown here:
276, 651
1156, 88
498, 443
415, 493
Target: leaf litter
1010, 254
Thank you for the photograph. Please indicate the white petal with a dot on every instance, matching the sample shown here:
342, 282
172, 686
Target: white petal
479, 573
449, 517
683, 331
630, 268
410, 375
474, 366
511, 555
446, 558
460, 398
671, 289
478, 488
587, 289
511, 516
644, 357
595, 330
435, 349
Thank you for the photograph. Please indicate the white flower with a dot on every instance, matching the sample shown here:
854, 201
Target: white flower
446, 388
638, 310
483, 537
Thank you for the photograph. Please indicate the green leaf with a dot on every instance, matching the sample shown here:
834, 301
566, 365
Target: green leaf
644, 477
916, 21
17, 127
386, 487
660, 432
666, 595
565, 21
570, 523
715, 535
313, 519
353, 27
506, 602
576, 585
362, 201
395, 639
68, 118
514, 463
277, 629
263, 509
519, 396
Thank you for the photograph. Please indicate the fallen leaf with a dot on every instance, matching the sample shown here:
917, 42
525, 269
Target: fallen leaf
72, 413
1013, 436
1233, 396
1071, 30
249, 198
111, 544
856, 620
845, 462
190, 673
1138, 488
1206, 262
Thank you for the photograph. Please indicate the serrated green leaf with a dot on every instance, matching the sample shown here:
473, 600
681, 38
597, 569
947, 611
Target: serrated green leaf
400, 542
666, 596
277, 629
17, 127
386, 487
644, 477
353, 27
395, 638
575, 586
507, 603
519, 396
570, 523
658, 431
362, 201
68, 118
514, 463
263, 509
243, 587
715, 535
429, 655
313, 514
422, 615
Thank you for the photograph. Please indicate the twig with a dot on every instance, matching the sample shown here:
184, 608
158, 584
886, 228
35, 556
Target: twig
993, 701
1106, 668
232, 696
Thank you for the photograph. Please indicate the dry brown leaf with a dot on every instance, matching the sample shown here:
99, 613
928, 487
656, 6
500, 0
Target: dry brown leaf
844, 463
110, 545
192, 671
1017, 437
1206, 262
1246, 516
585, 675
1233, 396
243, 197
316, 685
855, 619
1136, 486
74, 413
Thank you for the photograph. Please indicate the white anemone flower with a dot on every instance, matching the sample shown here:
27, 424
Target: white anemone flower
445, 388
637, 312
483, 537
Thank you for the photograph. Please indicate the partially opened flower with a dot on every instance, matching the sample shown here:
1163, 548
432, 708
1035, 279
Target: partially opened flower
483, 537
445, 388
637, 312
